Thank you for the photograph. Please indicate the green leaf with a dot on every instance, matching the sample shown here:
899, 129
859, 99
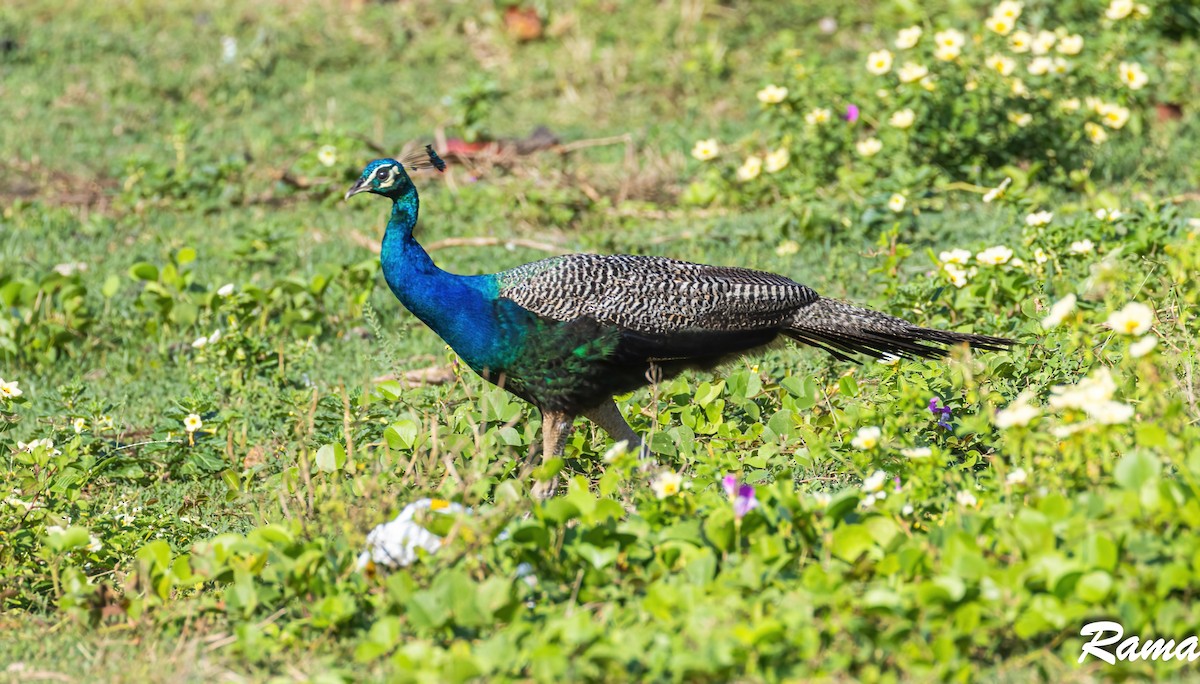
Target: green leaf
851, 541
600, 558
144, 271
401, 435
331, 458
1094, 587
1135, 468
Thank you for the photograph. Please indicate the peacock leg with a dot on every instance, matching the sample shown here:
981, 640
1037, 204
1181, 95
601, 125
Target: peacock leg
609, 417
556, 427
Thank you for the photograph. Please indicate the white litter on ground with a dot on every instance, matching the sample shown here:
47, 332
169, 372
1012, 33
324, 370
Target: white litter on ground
395, 543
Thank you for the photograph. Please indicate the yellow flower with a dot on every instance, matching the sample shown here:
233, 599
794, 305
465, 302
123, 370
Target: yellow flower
667, 484
1114, 116
106, 423
750, 169
1008, 9
1001, 64
949, 44
192, 423
777, 160
1119, 9
705, 149
896, 202
1021, 119
1070, 45
327, 155
1019, 41
869, 147
1132, 75
879, 62
911, 71
908, 37
817, 116
1095, 132
929, 84
998, 24
1135, 319
1040, 66
902, 119
772, 94
1043, 42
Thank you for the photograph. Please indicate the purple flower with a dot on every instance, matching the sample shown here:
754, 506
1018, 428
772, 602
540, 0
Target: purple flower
742, 496
851, 113
942, 413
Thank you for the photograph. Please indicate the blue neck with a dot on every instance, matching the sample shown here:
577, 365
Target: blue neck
460, 309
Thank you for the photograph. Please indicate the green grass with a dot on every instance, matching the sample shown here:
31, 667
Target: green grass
129, 143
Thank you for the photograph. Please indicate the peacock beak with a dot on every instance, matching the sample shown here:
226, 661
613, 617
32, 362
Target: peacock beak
358, 187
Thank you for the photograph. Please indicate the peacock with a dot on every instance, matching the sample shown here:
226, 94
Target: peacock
567, 333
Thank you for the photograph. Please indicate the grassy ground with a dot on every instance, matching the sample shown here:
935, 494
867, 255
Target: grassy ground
171, 163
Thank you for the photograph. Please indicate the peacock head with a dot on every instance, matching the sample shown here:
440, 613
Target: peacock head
389, 177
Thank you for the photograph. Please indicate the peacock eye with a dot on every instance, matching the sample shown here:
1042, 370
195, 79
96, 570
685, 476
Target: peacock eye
381, 174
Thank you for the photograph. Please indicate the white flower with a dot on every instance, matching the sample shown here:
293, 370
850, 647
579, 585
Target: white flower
1060, 66
45, 443
395, 543
822, 499
955, 256
787, 248
958, 276
216, 335
79, 424
1119, 9
911, 71
1081, 247
707, 149
879, 62
896, 202
1070, 45
327, 155
94, 544
772, 94
966, 499
200, 343
225, 290
1001, 64
192, 422
1021, 119
949, 44
1016, 477
1040, 66
229, 49
907, 510
1143, 346
994, 256
1059, 311
1135, 319
777, 160
1043, 42
996, 192
869, 147
1017, 414
1019, 41
916, 452
1109, 215
907, 38
1132, 75
1114, 116
998, 24
9, 389
1093, 390
867, 438
1109, 412
903, 118
868, 501
817, 116
69, 269
1040, 256
874, 481
1039, 218
667, 484
750, 169
1008, 9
